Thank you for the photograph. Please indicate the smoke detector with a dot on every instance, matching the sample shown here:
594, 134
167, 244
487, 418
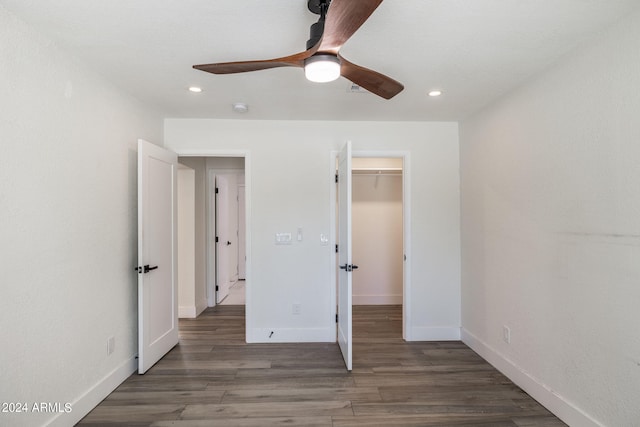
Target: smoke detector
240, 107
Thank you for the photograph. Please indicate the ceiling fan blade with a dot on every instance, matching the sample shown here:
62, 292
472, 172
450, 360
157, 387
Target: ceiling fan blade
372, 81
343, 19
296, 60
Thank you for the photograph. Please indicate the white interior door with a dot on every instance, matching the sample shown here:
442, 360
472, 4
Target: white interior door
241, 233
157, 254
223, 238
344, 255
232, 215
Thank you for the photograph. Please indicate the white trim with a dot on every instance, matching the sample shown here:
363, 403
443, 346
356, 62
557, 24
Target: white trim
545, 395
406, 211
293, 335
435, 333
407, 334
182, 152
96, 394
210, 209
377, 299
333, 193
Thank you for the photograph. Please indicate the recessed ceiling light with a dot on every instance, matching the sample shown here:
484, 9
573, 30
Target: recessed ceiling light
195, 89
240, 107
435, 93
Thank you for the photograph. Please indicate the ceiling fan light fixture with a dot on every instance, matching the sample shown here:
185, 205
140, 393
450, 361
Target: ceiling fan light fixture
322, 68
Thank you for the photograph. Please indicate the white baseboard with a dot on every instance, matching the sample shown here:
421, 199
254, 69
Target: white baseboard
92, 397
187, 312
442, 333
558, 405
292, 335
377, 300
200, 307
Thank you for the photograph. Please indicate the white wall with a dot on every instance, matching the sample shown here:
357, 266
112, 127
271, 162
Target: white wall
186, 243
290, 173
551, 232
67, 235
198, 165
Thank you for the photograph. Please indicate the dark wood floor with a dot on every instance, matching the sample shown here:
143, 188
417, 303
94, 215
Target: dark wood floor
214, 379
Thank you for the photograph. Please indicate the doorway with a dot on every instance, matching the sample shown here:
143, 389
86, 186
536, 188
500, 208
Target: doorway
389, 173
377, 222
209, 172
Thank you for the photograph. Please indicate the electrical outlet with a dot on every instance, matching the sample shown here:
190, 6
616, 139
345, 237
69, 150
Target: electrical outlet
296, 308
506, 334
111, 345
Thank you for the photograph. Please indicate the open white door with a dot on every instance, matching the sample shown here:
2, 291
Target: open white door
223, 238
242, 247
157, 254
344, 254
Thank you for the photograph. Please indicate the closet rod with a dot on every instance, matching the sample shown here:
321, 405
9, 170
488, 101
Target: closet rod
378, 173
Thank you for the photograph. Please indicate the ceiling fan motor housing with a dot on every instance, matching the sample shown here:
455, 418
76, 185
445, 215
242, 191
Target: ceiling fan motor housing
315, 6
319, 7
315, 33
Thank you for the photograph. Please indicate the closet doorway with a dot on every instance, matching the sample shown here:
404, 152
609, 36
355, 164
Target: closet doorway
379, 216
377, 231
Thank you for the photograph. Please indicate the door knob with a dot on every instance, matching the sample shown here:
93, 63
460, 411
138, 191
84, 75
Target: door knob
348, 267
148, 269
228, 243
145, 269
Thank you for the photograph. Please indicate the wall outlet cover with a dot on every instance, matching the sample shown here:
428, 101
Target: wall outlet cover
506, 334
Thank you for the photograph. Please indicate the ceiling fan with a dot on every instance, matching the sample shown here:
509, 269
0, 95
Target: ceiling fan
339, 20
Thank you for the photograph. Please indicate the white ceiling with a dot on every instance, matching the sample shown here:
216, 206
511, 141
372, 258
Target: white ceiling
473, 50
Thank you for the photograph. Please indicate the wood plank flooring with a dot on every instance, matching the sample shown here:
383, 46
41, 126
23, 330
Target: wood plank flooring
213, 378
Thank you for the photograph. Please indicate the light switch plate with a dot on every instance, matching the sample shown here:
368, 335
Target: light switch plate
283, 238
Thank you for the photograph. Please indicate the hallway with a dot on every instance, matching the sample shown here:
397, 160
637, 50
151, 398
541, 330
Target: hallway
236, 294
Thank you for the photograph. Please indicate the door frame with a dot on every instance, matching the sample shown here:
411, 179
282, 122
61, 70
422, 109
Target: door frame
246, 154
212, 217
406, 228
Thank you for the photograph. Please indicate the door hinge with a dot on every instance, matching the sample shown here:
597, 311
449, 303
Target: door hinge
217, 190
336, 317
336, 178
216, 239
217, 289
336, 248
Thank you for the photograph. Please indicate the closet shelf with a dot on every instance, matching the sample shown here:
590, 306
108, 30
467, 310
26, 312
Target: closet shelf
377, 171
